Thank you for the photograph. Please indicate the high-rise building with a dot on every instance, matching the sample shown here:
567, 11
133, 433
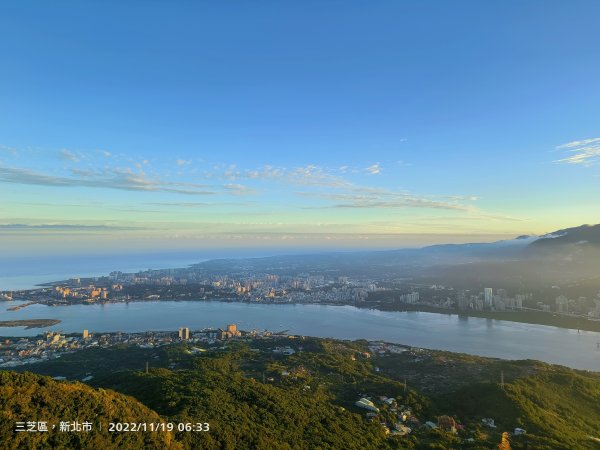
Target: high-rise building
462, 301
488, 297
86, 334
229, 332
596, 310
562, 304
184, 333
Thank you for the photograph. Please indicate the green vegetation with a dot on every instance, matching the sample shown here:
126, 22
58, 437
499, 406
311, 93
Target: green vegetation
29, 397
244, 413
253, 397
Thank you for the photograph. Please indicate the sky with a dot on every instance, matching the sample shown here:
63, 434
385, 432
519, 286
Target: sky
155, 125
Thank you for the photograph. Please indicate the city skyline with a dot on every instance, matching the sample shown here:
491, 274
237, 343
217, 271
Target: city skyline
280, 126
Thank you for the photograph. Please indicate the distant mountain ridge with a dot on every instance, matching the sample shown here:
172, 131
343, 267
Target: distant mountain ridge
584, 234
562, 256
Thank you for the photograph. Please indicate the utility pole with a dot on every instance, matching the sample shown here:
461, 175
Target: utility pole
146, 366
502, 379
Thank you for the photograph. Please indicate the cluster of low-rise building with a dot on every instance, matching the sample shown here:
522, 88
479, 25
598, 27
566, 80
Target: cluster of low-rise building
165, 285
17, 351
85, 292
381, 408
26, 350
404, 421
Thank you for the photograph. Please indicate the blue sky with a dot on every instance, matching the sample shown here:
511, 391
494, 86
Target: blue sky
328, 124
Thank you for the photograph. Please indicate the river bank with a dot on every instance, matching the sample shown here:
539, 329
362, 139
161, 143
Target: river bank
522, 316
530, 317
30, 323
472, 335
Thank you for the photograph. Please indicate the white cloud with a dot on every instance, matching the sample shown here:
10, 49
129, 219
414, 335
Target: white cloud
375, 198
59, 227
198, 204
471, 198
312, 175
239, 189
308, 175
367, 197
266, 172
123, 179
585, 152
373, 169
581, 143
69, 156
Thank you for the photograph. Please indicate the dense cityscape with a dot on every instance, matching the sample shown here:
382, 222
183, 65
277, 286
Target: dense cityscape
190, 284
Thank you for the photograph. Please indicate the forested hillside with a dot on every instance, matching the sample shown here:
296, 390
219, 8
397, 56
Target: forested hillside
253, 396
25, 397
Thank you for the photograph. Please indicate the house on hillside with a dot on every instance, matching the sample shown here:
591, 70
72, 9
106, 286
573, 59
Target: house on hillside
447, 423
367, 404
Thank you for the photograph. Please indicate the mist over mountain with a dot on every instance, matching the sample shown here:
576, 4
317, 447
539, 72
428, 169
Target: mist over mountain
564, 256
584, 235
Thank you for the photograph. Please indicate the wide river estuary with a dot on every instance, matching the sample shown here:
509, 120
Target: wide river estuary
472, 335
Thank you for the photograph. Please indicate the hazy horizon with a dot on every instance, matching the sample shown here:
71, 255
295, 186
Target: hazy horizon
22, 270
285, 126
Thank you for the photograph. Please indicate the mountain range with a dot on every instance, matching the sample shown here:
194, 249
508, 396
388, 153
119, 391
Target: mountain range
563, 256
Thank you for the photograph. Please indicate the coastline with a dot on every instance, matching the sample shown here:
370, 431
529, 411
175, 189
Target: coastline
30, 323
476, 336
21, 306
529, 317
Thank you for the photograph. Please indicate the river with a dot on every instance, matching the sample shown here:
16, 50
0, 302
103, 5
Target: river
473, 335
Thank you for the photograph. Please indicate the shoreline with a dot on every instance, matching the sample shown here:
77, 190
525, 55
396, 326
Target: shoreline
30, 323
528, 317
497, 339
21, 306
